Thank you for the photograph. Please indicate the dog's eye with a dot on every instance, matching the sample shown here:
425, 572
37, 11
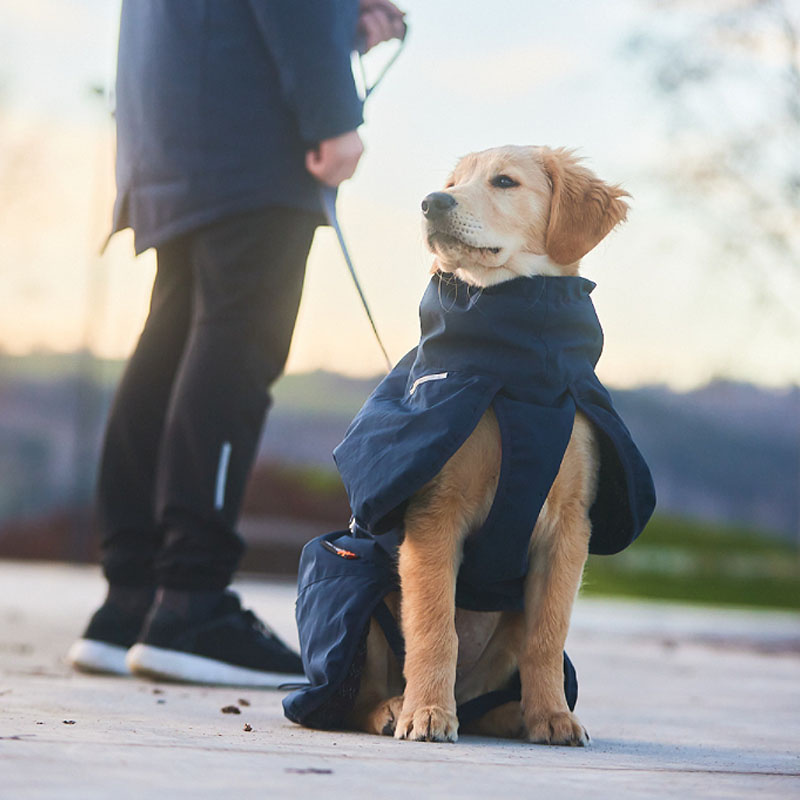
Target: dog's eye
503, 182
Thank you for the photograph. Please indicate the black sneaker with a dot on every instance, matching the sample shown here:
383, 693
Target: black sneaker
112, 630
229, 647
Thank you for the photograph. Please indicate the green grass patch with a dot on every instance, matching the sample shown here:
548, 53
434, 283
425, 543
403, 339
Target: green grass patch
677, 559
321, 481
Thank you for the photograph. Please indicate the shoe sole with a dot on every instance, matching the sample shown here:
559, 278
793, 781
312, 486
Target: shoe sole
147, 661
89, 655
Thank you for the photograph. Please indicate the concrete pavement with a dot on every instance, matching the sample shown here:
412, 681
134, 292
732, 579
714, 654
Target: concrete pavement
679, 701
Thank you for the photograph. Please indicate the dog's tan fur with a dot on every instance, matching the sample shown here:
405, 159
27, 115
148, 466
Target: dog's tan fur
555, 212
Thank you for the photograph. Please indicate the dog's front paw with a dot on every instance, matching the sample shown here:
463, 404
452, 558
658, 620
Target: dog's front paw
427, 724
558, 727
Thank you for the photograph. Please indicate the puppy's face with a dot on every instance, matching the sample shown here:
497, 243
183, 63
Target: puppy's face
518, 211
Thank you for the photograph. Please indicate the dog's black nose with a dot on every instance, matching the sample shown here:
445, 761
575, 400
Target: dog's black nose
437, 203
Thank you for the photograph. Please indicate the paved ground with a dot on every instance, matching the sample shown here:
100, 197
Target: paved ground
680, 702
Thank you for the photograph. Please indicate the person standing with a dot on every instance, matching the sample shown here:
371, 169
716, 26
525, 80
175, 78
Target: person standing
229, 114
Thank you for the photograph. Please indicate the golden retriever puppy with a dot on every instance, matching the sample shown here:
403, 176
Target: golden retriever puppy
503, 214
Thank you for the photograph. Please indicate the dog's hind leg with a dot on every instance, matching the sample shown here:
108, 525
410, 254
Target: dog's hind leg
375, 709
436, 522
503, 722
559, 547
492, 671
379, 717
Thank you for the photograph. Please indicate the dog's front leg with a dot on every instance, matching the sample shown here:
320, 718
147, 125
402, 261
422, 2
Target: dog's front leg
428, 564
437, 520
559, 548
550, 589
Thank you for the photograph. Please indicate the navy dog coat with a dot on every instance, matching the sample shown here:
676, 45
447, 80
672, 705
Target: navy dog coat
527, 348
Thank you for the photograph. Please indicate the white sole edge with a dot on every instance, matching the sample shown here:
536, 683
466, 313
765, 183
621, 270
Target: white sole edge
88, 655
144, 660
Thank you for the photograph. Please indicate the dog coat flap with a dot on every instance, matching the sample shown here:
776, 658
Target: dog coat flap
336, 596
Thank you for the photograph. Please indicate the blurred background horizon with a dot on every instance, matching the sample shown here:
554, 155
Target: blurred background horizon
694, 107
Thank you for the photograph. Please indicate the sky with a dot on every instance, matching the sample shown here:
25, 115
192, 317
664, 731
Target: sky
523, 72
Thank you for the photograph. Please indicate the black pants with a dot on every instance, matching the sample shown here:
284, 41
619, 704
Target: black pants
185, 423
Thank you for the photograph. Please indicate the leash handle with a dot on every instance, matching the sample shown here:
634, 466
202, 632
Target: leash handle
361, 48
328, 197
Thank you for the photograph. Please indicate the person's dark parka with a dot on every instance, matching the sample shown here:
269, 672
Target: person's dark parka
217, 103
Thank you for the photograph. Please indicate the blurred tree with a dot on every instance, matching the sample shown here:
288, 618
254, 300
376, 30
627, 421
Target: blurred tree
728, 73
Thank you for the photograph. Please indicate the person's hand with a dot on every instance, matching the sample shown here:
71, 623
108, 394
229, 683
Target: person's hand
379, 21
335, 160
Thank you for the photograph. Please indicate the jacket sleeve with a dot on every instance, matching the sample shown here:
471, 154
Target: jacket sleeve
311, 42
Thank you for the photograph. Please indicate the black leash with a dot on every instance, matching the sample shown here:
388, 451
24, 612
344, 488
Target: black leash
328, 198
368, 90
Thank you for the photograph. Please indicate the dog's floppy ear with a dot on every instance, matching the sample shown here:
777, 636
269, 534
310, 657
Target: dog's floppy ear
583, 209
